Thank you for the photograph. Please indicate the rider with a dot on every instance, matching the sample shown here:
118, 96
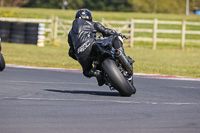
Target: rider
82, 38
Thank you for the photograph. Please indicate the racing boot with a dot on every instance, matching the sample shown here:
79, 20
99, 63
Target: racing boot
99, 75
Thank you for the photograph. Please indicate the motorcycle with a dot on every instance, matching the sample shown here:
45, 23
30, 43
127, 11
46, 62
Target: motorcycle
116, 69
2, 61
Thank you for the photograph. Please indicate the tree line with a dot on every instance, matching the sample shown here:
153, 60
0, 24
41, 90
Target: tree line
147, 6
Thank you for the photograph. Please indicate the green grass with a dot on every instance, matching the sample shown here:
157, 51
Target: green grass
97, 15
165, 60
31, 55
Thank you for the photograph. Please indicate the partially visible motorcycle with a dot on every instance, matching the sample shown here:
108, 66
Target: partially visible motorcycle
2, 61
114, 64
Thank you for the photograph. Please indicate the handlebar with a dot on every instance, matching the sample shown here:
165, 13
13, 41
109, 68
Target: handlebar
123, 36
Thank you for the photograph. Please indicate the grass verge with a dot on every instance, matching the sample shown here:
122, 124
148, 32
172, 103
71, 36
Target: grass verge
165, 60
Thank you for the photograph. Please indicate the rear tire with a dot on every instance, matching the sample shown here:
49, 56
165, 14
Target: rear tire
116, 78
133, 85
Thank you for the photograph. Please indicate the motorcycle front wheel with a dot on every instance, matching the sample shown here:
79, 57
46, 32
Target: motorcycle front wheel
2, 62
116, 78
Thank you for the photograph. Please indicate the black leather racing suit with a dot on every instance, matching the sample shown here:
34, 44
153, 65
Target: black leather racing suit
81, 38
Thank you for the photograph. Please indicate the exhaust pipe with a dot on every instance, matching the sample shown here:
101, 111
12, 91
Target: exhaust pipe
123, 60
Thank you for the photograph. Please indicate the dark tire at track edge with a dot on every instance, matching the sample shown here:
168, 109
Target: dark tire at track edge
2, 62
116, 78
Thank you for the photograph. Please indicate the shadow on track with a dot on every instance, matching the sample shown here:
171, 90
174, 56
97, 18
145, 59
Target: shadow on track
98, 93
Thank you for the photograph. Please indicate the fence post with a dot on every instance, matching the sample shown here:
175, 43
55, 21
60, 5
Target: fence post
52, 29
183, 35
55, 28
132, 33
102, 21
155, 33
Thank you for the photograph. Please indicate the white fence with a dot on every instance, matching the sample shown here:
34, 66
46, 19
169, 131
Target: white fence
61, 29
57, 29
129, 28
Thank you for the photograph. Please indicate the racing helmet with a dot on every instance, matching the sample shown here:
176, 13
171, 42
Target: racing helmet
84, 14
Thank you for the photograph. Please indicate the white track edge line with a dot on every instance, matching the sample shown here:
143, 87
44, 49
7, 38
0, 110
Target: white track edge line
80, 71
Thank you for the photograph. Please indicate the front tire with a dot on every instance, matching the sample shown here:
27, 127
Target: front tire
116, 78
2, 62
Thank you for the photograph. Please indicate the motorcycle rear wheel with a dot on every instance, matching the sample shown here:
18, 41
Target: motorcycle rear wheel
116, 78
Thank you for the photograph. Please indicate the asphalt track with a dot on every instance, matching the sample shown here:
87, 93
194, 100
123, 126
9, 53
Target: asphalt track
52, 101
